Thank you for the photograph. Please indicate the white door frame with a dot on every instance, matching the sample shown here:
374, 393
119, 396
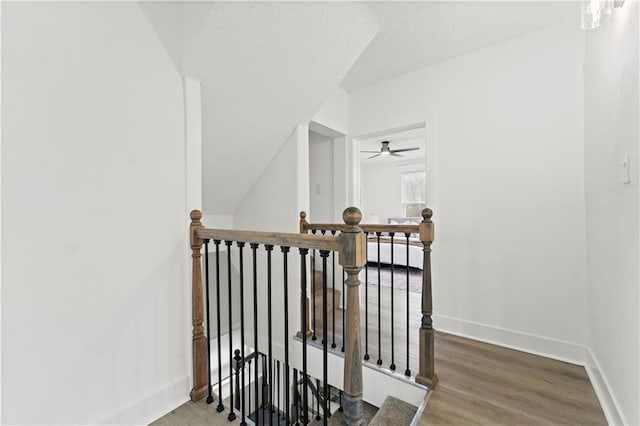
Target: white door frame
395, 126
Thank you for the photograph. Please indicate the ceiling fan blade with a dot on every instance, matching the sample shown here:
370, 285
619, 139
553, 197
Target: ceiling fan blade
405, 149
373, 156
393, 154
370, 152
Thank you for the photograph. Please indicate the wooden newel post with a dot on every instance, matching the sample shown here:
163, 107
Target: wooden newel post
305, 322
426, 374
353, 245
199, 341
303, 222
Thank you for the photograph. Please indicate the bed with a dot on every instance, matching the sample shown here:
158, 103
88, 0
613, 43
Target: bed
399, 246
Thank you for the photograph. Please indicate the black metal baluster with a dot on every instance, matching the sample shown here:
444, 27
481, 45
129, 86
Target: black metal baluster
269, 249
220, 407
407, 372
318, 400
296, 397
333, 296
206, 277
237, 359
249, 388
287, 408
243, 422
285, 263
303, 287
324, 254
393, 307
265, 389
366, 302
254, 248
232, 416
379, 361
313, 291
324, 295
344, 307
340, 401
278, 394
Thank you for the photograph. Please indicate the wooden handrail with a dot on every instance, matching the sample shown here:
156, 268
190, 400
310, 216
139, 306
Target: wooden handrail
424, 229
378, 227
318, 242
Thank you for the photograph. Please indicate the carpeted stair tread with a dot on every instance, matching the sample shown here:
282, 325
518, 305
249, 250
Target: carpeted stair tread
394, 412
368, 412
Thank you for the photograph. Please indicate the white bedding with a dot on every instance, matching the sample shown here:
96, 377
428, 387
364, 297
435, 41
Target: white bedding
399, 253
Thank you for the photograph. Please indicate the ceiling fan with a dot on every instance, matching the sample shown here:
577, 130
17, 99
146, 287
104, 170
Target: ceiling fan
385, 150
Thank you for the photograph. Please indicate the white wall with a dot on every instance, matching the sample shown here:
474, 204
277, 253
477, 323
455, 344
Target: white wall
612, 211
94, 326
276, 198
334, 114
343, 157
193, 141
509, 256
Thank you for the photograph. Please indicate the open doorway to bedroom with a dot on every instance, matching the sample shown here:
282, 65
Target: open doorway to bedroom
393, 178
393, 175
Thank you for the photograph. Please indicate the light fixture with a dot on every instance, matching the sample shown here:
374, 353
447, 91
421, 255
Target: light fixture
595, 12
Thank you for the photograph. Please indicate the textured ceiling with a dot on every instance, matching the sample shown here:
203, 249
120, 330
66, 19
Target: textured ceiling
267, 66
417, 34
264, 68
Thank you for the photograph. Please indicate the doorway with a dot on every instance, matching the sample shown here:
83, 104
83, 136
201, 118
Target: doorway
393, 173
328, 167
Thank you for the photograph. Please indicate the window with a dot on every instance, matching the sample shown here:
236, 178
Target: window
413, 193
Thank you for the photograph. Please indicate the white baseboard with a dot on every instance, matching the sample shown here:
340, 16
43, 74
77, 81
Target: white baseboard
600, 384
525, 342
154, 405
543, 346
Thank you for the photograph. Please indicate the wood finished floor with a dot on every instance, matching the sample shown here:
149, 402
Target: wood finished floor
480, 384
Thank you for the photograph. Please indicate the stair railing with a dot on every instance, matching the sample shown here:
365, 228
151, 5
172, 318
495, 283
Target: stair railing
350, 244
398, 236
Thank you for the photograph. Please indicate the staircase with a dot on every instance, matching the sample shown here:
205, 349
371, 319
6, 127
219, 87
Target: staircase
269, 285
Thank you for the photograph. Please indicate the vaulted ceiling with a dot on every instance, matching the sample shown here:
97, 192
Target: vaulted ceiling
267, 66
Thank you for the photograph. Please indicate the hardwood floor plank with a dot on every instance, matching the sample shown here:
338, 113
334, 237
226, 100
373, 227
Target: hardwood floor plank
490, 385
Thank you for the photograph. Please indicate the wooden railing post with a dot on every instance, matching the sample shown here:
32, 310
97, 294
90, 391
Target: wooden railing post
304, 310
353, 245
303, 222
426, 374
199, 341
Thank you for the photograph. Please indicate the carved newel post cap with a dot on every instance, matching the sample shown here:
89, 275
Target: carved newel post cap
195, 215
303, 215
352, 216
426, 214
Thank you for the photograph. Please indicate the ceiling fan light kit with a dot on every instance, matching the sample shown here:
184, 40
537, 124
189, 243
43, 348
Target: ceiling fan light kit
385, 150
